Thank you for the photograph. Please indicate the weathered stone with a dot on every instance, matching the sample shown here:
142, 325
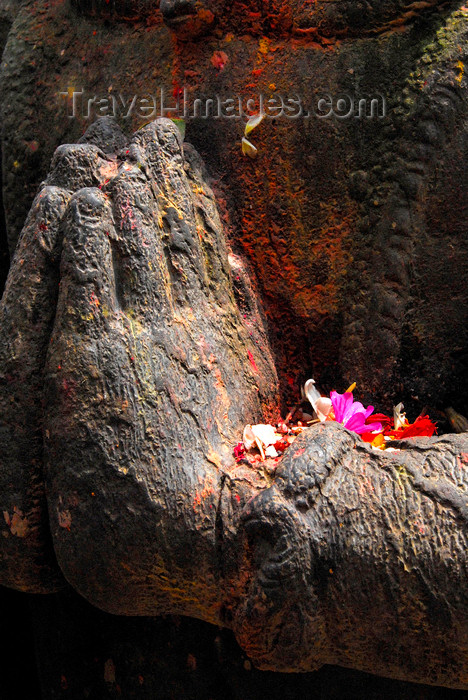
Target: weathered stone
144, 290
134, 346
358, 558
351, 277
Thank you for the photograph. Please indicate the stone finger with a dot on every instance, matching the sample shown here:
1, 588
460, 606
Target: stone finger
26, 317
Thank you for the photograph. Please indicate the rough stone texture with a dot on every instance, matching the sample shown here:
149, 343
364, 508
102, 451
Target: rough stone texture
126, 10
83, 652
151, 375
145, 295
8, 9
52, 47
133, 343
356, 232
349, 224
27, 313
358, 558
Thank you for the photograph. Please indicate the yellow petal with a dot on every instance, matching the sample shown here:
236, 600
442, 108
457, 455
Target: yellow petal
253, 123
379, 441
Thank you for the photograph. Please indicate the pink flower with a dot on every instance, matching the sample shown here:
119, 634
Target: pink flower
352, 413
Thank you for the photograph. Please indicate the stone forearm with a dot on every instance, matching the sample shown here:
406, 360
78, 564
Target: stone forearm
374, 572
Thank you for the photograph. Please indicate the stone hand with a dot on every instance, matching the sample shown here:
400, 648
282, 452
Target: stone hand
151, 374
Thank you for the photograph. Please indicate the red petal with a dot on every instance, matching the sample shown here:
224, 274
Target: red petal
422, 427
368, 437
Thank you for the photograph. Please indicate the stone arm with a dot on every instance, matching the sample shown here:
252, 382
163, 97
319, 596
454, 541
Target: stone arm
133, 353
358, 558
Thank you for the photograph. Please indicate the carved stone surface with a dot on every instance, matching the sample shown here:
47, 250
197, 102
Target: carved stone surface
151, 374
355, 228
139, 332
134, 344
358, 558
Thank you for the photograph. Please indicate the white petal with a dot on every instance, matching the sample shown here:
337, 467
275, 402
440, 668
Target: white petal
248, 437
271, 452
399, 418
260, 447
265, 433
311, 392
323, 406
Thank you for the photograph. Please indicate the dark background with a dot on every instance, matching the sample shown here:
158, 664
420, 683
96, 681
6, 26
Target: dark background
75, 651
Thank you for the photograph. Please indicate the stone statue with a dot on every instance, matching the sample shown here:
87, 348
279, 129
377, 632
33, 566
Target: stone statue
351, 218
133, 351
163, 294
